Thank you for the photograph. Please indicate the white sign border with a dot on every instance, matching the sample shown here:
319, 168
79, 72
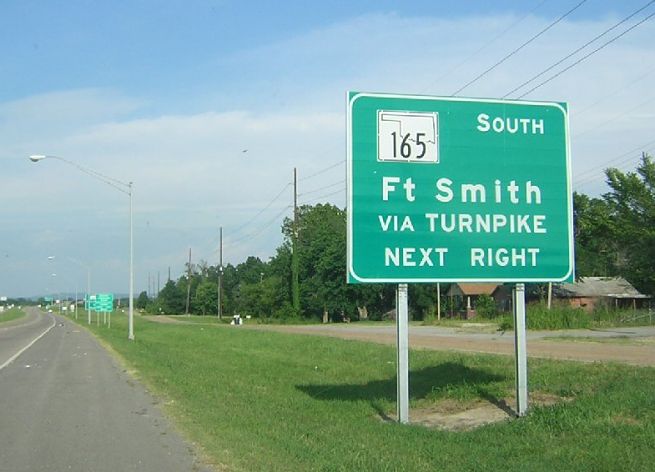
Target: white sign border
350, 100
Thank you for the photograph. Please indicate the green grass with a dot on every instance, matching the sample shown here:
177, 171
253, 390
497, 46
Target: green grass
197, 319
11, 314
269, 401
539, 317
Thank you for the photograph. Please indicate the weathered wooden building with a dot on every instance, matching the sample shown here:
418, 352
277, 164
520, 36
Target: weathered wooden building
594, 292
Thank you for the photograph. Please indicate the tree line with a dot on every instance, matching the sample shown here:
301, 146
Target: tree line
614, 235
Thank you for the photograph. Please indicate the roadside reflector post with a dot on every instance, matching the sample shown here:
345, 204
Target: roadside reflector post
402, 341
520, 349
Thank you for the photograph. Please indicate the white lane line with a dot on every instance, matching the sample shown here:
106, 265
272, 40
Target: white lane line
13, 358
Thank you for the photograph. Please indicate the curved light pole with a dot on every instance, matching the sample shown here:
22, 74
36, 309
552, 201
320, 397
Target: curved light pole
122, 187
88, 287
53, 275
88, 281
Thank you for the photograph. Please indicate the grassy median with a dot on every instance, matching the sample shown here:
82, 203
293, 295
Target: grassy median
259, 400
11, 314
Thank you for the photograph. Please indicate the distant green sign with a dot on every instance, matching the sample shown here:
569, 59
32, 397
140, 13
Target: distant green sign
451, 189
104, 302
48, 299
101, 302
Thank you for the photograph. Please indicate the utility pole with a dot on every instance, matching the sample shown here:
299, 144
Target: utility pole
295, 288
188, 285
220, 272
158, 281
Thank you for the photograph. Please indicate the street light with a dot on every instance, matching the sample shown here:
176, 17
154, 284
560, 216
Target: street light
122, 187
53, 275
88, 285
88, 288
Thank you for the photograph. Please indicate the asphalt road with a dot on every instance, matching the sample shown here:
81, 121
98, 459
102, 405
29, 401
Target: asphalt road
16, 335
66, 405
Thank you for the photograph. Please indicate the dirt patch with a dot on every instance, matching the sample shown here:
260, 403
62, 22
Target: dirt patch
451, 415
625, 420
636, 354
460, 421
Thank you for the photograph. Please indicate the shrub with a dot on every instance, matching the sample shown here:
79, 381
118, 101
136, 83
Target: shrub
485, 306
538, 316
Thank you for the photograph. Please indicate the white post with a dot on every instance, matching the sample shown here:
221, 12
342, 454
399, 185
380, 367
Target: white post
438, 301
402, 340
220, 272
550, 294
130, 318
520, 349
88, 294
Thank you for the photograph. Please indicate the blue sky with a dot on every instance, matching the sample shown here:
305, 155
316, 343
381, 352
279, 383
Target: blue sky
171, 94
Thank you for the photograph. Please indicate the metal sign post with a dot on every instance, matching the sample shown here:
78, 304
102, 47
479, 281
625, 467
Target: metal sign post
402, 343
520, 349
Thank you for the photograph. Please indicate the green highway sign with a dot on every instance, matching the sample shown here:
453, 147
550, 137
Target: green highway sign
90, 302
104, 302
101, 302
453, 189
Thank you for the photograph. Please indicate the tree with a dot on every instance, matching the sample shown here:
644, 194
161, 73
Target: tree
205, 300
322, 259
171, 299
422, 300
142, 300
596, 246
632, 200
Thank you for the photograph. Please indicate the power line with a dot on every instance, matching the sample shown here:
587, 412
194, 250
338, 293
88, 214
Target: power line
588, 55
600, 172
214, 240
325, 196
322, 188
615, 92
582, 178
614, 118
594, 39
253, 235
479, 76
256, 233
487, 44
239, 228
322, 171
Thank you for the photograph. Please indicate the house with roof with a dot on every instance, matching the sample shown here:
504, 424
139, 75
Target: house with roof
592, 292
465, 296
